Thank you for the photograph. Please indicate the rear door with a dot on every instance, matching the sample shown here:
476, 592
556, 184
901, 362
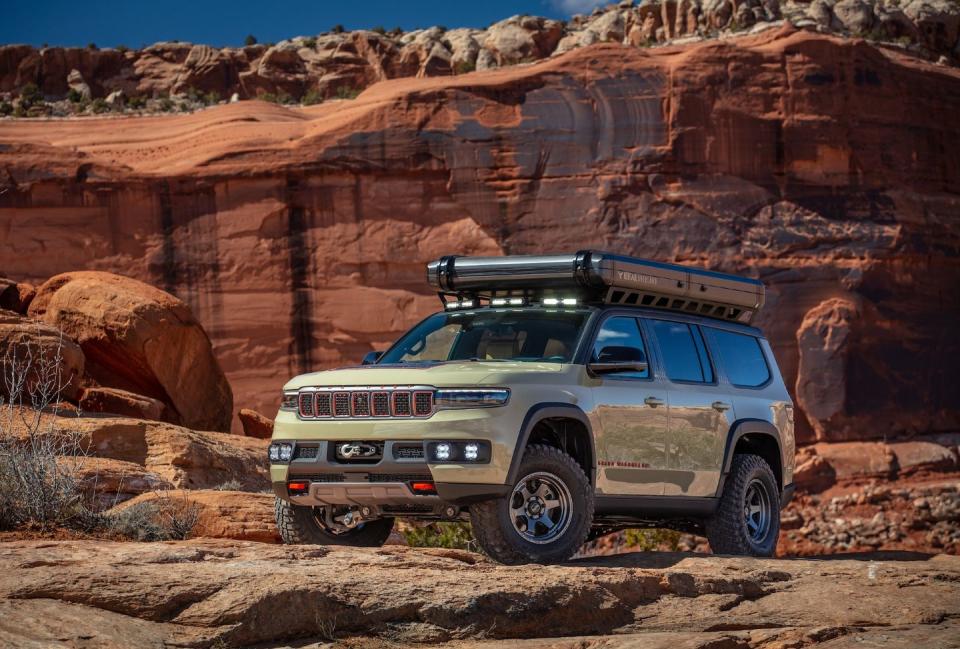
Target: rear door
701, 412
633, 412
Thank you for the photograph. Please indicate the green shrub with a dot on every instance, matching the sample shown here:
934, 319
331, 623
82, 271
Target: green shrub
6, 108
211, 98
74, 96
137, 102
347, 92
99, 105
464, 67
250, 40
648, 540
396, 32
163, 518
312, 97
441, 535
30, 95
310, 43
123, 49
379, 29
91, 46
165, 104
337, 29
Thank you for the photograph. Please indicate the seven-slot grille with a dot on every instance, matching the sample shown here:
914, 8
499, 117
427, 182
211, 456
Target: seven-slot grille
361, 403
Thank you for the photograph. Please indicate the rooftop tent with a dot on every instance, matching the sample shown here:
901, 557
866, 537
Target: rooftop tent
600, 277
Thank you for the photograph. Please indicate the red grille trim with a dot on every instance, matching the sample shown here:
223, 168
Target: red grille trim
422, 403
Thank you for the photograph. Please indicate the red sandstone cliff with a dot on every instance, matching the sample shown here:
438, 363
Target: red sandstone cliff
827, 168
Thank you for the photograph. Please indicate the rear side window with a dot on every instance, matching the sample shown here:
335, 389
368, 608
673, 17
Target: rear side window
742, 358
684, 354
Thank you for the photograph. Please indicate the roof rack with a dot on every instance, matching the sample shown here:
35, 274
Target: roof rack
600, 278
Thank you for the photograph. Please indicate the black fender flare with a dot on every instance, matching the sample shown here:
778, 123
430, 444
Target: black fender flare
739, 429
550, 410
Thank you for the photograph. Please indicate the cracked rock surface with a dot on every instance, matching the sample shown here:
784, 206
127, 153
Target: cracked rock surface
232, 593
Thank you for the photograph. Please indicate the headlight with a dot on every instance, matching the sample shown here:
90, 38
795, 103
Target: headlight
280, 452
470, 398
460, 452
289, 401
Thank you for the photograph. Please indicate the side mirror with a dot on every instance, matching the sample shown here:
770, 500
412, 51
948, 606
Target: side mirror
615, 359
371, 358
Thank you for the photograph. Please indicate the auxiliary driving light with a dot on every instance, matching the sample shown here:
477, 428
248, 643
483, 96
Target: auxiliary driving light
280, 452
465, 452
556, 301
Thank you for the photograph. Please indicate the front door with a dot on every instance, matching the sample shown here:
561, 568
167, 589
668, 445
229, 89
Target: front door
700, 412
633, 412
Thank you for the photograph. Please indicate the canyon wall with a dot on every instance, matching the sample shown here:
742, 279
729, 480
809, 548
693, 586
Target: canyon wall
828, 168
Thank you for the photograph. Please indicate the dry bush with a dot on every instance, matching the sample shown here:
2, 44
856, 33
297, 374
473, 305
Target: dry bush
164, 518
35, 488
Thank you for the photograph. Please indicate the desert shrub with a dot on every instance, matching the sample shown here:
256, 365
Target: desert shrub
137, 102
347, 92
397, 32
91, 46
379, 29
74, 96
312, 97
6, 108
99, 105
165, 104
163, 518
211, 98
30, 95
230, 485
309, 42
123, 49
648, 540
337, 29
250, 40
464, 67
39, 461
441, 535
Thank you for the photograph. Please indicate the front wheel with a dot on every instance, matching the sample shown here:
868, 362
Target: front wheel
300, 525
747, 522
546, 517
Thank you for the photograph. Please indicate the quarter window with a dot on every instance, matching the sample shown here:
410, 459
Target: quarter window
742, 358
684, 354
621, 332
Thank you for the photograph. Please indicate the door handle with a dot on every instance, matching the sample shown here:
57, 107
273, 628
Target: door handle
720, 406
653, 402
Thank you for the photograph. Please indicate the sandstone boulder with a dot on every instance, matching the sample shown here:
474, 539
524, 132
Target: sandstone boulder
43, 353
76, 83
15, 296
254, 424
823, 344
141, 339
122, 403
224, 514
109, 482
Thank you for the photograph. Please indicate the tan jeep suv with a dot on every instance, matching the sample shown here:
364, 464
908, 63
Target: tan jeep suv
554, 399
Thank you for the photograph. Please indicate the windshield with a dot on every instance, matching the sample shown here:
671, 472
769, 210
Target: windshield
491, 335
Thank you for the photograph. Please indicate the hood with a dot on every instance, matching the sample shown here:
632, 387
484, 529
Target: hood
447, 374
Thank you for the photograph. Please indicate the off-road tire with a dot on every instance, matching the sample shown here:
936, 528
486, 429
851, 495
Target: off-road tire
298, 526
726, 530
494, 530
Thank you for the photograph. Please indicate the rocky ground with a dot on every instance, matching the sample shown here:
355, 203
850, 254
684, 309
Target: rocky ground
230, 593
178, 76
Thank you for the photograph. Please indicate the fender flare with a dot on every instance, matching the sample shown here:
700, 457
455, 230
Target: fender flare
739, 429
550, 410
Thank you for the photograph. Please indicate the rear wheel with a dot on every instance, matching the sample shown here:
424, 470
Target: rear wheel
545, 518
324, 526
748, 519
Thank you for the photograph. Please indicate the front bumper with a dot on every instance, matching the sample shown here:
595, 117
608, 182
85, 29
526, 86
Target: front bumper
381, 483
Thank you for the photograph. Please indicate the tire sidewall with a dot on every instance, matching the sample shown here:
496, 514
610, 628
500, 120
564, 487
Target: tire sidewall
760, 471
581, 516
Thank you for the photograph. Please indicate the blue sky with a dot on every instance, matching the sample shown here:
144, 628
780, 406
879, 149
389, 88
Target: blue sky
134, 23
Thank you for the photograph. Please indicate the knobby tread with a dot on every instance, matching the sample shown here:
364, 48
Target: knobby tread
725, 528
298, 527
502, 544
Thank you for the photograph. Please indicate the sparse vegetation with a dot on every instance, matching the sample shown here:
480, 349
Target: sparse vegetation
163, 518
99, 105
281, 97
310, 43
6, 108
230, 485
649, 540
74, 96
464, 67
379, 29
30, 95
165, 104
137, 102
396, 32
250, 40
312, 97
123, 49
91, 46
347, 92
337, 29
441, 535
